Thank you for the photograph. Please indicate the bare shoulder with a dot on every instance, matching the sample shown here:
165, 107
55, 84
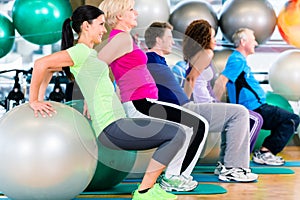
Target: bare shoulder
209, 52
205, 56
123, 38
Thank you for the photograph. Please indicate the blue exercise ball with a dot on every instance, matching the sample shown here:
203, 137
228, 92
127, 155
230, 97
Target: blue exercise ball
40, 22
7, 35
46, 158
179, 71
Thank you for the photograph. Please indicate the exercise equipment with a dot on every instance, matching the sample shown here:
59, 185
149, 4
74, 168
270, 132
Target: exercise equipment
284, 75
288, 22
40, 22
113, 165
257, 15
187, 11
7, 35
46, 157
148, 12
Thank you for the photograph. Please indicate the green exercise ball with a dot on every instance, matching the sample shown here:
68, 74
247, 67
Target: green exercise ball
112, 168
40, 22
275, 100
113, 165
7, 35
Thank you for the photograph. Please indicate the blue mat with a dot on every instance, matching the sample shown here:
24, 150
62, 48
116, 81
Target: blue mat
262, 169
127, 188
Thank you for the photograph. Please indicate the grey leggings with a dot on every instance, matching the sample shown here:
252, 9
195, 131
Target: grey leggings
143, 134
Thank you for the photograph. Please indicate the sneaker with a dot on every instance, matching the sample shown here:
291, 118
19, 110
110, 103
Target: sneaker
178, 183
218, 168
267, 158
237, 174
156, 193
162, 193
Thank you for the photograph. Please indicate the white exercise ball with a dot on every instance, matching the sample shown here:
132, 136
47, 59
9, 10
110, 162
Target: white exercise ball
148, 12
284, 75
46, 158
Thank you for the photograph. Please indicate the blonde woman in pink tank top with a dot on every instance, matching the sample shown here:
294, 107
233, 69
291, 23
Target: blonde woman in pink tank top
139, 93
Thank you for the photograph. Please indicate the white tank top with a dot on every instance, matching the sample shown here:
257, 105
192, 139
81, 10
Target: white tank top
201, 93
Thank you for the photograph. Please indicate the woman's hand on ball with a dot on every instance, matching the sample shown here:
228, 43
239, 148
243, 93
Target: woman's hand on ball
44, 108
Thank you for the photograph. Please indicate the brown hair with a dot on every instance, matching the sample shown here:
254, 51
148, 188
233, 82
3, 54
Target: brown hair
156, 29
197, 37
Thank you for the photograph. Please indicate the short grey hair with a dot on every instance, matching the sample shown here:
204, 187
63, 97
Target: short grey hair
239, 35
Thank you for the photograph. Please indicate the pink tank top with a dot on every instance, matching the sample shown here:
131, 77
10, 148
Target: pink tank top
132, 76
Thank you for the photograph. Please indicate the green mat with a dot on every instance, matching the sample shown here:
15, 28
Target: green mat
257, 170
272, 170
79, 198
101, 198
126, 188
205, 177
290, 163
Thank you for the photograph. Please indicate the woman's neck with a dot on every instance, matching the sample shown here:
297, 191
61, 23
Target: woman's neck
122, 27
86, 41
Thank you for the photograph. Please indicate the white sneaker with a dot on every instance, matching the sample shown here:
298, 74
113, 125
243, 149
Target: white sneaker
178, 183
267, 158
235, 174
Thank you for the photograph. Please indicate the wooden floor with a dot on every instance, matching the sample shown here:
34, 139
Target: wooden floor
268, 187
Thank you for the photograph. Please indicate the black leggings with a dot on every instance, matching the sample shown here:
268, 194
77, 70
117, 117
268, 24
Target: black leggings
153, 109
144, 134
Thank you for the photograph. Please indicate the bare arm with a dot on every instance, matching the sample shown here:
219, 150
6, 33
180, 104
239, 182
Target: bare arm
199, 62
189, 83
220, 86
41, 75
117, 47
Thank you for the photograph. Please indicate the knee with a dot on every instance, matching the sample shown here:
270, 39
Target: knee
243, 111
296, 120
181, 137
256, 116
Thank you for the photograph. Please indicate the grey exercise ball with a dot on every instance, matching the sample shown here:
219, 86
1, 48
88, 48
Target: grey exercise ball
46, 158
187, 11
257, 15
284, 75
218, 64
148, 12
220, 59
212, 149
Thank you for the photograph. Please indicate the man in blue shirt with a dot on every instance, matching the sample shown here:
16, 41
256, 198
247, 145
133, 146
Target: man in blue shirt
244, 89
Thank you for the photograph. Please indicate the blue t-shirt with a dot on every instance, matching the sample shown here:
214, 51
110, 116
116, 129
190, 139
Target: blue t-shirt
169, 89
235, 66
